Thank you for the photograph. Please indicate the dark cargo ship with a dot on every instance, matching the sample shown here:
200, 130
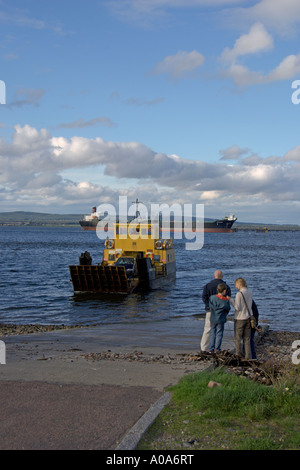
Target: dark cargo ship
214, 226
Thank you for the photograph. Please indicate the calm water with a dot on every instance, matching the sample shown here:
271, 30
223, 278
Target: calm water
35, 284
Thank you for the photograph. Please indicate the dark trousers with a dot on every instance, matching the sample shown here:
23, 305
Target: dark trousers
242, 333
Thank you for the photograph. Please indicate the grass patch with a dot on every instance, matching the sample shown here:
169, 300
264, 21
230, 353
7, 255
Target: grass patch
240, 414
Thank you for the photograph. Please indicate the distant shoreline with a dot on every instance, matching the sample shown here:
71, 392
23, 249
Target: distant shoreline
236, 228
41, 219
17, 329
27, 224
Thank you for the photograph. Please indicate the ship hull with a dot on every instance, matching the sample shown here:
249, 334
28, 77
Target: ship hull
88, 225
218, 226
160, 282
97, 279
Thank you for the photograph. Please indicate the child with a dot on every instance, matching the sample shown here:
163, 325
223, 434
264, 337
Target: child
219, 307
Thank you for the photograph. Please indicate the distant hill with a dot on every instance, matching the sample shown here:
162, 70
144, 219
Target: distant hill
260, 226
38, 218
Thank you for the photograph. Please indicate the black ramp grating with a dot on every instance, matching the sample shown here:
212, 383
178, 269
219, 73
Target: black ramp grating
89, 278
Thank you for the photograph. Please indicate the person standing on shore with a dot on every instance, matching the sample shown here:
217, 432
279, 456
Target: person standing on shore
219, 307
211, 288
254, 330
242, 325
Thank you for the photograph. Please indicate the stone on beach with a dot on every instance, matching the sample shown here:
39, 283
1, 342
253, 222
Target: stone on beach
213, 384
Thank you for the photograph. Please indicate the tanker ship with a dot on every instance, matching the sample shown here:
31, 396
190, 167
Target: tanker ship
89, 222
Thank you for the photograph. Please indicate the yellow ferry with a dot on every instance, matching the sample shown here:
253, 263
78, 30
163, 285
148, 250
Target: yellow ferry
135, 258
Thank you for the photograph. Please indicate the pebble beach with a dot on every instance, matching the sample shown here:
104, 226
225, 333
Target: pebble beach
123, 373
273, 346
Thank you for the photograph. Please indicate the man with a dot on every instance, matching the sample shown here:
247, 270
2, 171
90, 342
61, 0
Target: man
211, 288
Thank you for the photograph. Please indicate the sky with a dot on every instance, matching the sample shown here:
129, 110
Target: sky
168, 101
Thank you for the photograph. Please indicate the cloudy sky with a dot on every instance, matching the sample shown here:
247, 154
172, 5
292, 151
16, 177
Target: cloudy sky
188, 101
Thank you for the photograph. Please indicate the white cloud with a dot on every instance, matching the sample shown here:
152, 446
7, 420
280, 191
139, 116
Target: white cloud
293, 155
145, 12
19, 17
257, 40
233, 153
281, 15
180, 64
288, 68
146, 7
33, 162
210, 195
28, 96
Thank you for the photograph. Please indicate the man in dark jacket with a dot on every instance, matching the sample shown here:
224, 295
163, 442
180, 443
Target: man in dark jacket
211, 288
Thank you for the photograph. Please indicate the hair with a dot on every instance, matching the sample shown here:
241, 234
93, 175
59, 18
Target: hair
221, 287
241, 281
218, 274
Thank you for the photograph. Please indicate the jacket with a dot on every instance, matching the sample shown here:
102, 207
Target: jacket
212, 289
241, 311
219, 307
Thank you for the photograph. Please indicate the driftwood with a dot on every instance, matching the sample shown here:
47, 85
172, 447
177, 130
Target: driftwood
263, 372
227, 358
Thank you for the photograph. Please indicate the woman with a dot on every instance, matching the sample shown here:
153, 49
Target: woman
242, 326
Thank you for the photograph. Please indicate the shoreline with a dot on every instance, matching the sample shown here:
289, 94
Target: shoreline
274, 345
28, 328
100, 381
16, 329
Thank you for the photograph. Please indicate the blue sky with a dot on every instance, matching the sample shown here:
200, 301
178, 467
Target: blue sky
186, 101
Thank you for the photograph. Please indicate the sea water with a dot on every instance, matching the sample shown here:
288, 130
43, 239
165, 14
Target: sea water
35, 282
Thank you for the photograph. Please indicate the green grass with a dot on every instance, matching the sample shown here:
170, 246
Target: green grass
240, 414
